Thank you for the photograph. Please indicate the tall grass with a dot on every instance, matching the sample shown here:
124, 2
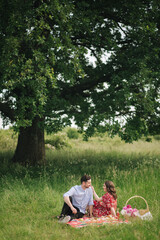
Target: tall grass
30, 198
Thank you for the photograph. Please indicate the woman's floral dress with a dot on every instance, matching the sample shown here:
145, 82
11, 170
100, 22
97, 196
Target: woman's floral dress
103, 208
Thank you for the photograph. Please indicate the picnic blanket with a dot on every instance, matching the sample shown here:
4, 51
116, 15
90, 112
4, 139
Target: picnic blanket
85, 221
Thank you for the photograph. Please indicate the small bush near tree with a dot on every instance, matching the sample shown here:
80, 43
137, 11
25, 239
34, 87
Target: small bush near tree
72, 133
57, 140
157, 137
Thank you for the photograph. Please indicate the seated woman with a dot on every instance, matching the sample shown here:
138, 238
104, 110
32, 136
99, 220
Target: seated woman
107, 204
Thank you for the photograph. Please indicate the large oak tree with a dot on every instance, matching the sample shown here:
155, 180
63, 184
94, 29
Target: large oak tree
46, 78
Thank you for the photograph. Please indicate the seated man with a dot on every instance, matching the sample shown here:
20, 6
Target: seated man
76, 200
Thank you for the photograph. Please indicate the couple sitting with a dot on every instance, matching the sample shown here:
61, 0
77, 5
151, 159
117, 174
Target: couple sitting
80, 197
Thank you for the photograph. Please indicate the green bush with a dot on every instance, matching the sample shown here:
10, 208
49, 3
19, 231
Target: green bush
148, 139
57, 140
157, 137
72, 133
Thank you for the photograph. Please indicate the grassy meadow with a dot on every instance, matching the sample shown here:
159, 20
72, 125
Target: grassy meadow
31, 198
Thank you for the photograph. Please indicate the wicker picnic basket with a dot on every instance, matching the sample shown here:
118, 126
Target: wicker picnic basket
141, 211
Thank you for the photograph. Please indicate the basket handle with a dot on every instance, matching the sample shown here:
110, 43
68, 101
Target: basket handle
136, 196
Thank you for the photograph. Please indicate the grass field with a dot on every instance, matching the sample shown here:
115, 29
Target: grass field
31, 197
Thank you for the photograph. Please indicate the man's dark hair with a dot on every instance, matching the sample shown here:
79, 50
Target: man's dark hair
85, 178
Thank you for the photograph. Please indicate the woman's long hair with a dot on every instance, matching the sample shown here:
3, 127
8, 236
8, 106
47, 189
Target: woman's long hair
111, 189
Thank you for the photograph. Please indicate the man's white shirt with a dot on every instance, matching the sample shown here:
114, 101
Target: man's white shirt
80, 197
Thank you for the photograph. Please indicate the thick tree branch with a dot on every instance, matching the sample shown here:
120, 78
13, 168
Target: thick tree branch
82, 86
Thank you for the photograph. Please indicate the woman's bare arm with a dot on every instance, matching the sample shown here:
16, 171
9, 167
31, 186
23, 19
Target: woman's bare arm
95, 195
113, 212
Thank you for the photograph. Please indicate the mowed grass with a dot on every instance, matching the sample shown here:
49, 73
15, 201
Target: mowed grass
31, 198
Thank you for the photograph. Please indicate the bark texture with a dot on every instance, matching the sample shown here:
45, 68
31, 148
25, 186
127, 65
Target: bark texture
30, 148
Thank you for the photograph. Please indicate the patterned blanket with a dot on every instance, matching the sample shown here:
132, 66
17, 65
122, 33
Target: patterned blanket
85, 221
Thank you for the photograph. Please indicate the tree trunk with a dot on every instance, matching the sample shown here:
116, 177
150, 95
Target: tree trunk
30, 148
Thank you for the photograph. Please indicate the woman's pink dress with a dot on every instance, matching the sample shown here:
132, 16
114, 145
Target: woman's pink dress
103, 208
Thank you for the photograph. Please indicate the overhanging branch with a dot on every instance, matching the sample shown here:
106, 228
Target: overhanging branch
83, 85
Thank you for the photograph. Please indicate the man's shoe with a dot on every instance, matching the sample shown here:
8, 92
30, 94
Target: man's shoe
65, 219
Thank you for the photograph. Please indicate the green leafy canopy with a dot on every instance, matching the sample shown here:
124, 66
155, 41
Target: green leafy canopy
45, 69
